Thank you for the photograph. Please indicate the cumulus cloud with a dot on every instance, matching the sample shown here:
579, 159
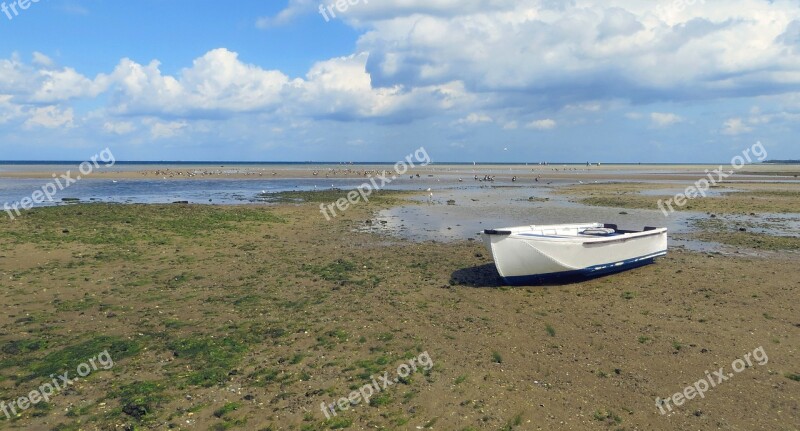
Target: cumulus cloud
8, 110
293, 10
475, 118
216, 83
341, 89
661, 119
735, 126
363, 11
119, 127
50, 117
63, 85
42, 60
570, 52
161, 129
41, 83
546, 124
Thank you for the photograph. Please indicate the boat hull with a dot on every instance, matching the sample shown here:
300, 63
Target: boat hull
531, 255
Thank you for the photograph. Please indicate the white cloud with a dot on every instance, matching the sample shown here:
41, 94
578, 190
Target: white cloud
44, 84
365, 11
63, 85
42, 60
293, 10
50, 117
475, 118
661, 119
582, 51
587, 106
217, 82
160, 129
341, 89
546, 124
119, 127
735, 126
8, 110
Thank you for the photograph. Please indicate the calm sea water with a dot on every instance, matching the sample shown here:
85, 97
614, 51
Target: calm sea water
457, 210
198, 190
241, 191
215, 191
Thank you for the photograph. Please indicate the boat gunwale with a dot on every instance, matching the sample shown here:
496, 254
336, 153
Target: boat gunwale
586, 239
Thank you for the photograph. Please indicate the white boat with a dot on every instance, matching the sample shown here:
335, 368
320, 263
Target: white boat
529, 255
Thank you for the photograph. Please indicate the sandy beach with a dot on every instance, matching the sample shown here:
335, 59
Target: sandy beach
253, 317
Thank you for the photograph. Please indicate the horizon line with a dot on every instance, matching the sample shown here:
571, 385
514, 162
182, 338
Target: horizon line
240, 162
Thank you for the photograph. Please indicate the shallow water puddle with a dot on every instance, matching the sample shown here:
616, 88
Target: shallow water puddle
471, 210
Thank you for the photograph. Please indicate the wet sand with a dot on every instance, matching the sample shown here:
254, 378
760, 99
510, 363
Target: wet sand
250, 317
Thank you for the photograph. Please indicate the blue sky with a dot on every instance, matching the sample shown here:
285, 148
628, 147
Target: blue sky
611, 81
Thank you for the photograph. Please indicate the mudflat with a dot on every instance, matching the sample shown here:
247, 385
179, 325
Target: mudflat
254, 317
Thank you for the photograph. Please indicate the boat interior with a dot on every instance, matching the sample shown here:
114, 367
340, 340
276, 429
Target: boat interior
576, 230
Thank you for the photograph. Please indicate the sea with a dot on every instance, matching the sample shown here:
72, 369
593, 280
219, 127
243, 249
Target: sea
220, 191
454, 206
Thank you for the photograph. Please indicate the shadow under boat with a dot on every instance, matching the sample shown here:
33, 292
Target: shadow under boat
486, 276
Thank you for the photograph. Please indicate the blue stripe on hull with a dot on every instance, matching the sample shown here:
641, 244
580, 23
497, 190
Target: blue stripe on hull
581, 274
